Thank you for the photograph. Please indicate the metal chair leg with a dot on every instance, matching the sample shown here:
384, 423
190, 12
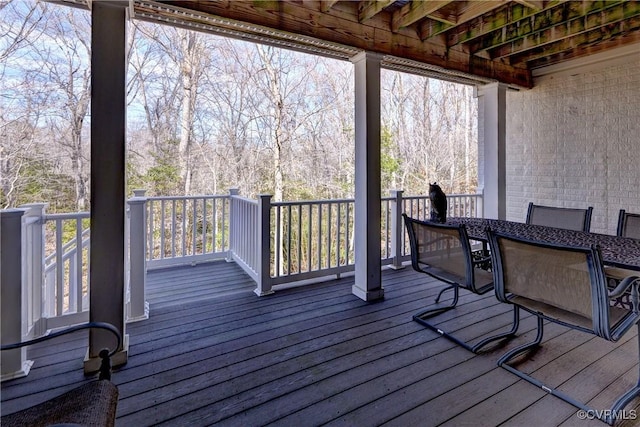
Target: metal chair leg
610, 416
421, 317
446, 288
510, 334
627, 397
433, 311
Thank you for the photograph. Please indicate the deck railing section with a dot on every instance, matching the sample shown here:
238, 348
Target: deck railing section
188, 229
244, 233
274, 242
66, 269
311, 239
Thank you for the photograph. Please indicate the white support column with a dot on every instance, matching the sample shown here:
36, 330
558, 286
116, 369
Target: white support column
232, 224
368, 276
264, 246
34, 267
108, 127
138, 307
492, 170
397, 229
13, 363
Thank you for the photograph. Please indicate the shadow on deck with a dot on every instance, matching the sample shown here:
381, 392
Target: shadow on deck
213, 352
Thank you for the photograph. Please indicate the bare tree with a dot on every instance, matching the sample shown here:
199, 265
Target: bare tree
63, 69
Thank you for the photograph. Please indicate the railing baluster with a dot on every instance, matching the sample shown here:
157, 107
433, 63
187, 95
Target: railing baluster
204, 226
348, 235
150, 230
193, 226
277, 270
338, 232
162, 225
79, 265
289, 239
299, 206
319, 237
59, 268
309, 237
329, 246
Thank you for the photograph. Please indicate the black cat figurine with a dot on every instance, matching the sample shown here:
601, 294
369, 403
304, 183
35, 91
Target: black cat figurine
438, 203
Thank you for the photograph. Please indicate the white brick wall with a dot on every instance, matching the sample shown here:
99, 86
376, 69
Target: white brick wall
574, 141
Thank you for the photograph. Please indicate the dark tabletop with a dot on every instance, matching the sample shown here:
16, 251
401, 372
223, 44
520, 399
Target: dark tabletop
616, 251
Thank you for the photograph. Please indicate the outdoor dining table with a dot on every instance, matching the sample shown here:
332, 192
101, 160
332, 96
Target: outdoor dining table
622, 252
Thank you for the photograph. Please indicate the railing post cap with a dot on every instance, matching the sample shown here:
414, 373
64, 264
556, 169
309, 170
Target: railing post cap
139, 192
234, 191
35, 205
12, 212
137, 200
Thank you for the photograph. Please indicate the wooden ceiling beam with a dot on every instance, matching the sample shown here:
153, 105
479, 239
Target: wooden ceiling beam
474, 9
632, 38
496, 19
326, 5
414, 11
607, 17
532, 4
469, 11
621, 33
369, 9
343, 28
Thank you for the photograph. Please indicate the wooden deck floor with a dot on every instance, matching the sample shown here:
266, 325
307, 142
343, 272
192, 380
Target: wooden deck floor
213, 352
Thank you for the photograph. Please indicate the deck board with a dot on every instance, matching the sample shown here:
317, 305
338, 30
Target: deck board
212, 352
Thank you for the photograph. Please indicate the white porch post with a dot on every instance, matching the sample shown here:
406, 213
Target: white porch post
492, 169
368, 277
264, 246
138, 307
13, 363
108, 127
34, 267
397, 229
233, 223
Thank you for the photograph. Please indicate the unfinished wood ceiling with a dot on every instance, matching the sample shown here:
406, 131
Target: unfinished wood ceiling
495, 40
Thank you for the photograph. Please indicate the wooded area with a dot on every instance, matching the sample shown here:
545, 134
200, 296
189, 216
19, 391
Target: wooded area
206, 114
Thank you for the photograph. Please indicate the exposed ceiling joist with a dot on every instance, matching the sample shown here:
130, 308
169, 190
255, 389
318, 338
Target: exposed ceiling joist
491, 40
412, 12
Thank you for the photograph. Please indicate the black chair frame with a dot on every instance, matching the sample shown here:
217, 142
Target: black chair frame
454, 284
601, 327
588, 212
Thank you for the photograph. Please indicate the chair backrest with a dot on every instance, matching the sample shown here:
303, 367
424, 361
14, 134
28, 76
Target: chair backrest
444, 252
565, 284
628, 224
567, 218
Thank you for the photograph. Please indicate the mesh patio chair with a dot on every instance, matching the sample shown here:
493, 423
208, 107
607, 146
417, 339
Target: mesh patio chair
91, 404
628, 226
443, 252
565, 285
567, 218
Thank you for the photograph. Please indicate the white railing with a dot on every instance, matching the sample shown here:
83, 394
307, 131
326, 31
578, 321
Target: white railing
66, 269
311, 239
188, 229
244, 234
315, 238
275, 243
